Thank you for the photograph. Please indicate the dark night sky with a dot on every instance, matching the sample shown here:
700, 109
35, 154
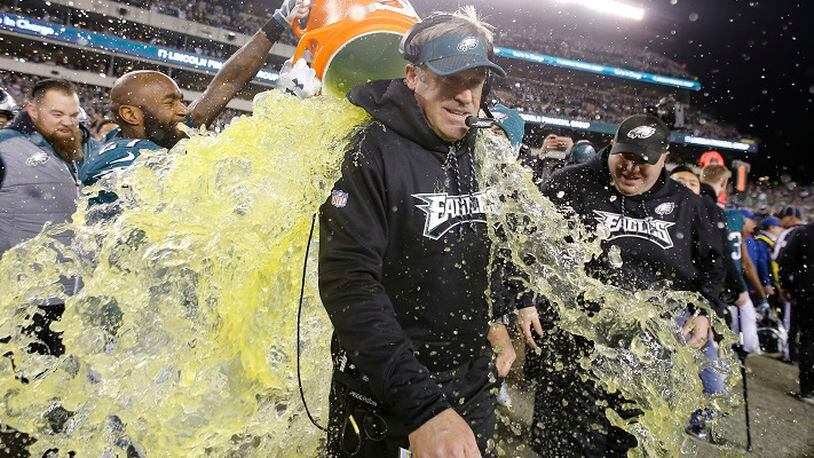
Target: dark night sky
753, 58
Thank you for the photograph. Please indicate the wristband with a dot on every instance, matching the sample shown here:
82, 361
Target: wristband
272, 29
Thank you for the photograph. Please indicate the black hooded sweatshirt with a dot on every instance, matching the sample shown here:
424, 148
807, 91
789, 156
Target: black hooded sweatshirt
664, 234
403, 258
796, 263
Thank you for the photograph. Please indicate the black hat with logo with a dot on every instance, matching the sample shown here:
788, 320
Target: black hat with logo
790, 210
643, 135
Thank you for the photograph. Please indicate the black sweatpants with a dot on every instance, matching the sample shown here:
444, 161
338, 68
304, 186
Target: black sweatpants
794, 332
804, 315
471, 383
569, 408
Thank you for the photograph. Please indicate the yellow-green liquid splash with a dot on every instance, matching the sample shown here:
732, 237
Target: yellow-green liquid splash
182, 341
636, 349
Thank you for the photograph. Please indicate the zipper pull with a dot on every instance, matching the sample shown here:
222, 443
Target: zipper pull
74, 170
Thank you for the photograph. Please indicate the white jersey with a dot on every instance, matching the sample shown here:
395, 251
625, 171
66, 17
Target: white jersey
781, 242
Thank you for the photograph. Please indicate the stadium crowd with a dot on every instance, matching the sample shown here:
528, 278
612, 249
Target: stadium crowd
579, 47
566, 96
245, 18
235, 16
764, 196
563, 95
125, 29
747, 255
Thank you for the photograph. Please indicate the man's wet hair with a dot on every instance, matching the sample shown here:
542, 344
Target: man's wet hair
715, 173
464, 21
52, 84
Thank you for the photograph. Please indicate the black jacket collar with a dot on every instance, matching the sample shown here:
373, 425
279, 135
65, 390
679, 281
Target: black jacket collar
23, 124
708, 191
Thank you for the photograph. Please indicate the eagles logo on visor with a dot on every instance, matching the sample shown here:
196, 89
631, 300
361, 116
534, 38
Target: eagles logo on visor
467, 44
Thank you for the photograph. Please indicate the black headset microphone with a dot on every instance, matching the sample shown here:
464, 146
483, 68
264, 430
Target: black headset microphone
474, 122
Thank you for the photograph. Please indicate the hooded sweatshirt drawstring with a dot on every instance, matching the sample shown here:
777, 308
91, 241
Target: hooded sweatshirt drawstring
453, 169
642, 204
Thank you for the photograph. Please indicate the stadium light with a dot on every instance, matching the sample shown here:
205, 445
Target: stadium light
614, 7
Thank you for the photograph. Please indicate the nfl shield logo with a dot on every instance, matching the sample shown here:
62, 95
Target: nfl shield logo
339, 198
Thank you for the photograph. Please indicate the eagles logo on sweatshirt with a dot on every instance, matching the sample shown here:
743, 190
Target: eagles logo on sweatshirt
654, 230
444, 211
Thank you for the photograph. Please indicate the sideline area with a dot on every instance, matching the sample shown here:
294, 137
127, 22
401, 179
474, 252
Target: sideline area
782, 426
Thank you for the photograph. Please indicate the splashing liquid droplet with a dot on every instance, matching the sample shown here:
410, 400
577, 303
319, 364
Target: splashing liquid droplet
615, 257
635, 350
183, 336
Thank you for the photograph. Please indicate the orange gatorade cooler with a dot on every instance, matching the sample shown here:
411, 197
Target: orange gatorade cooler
355, 41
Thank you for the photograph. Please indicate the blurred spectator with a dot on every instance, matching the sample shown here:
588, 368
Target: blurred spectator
761, 265
790, 216
8, 107
770, 230
104, 127
546, 160
687, 177
796, 263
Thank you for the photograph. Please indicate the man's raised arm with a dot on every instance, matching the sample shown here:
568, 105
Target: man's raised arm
244, 64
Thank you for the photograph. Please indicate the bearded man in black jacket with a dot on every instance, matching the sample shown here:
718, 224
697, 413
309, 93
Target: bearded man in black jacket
404, 252
664, 234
